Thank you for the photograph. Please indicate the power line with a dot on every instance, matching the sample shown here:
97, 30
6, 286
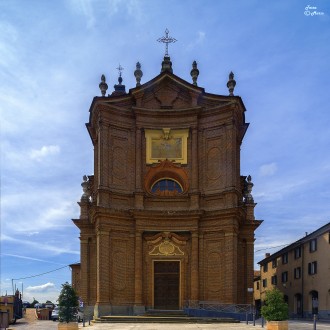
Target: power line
51, 271
271, 247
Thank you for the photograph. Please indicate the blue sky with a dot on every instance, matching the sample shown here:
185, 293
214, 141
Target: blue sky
52, 55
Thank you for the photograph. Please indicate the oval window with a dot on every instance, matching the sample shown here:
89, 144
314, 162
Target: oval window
166, 187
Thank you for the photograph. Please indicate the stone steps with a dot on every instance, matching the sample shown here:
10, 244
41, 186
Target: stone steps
163, 318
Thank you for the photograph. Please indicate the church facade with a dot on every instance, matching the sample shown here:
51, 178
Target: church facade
166, 218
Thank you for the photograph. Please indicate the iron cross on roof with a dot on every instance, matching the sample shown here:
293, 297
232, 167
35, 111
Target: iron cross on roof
166, 40
120, 69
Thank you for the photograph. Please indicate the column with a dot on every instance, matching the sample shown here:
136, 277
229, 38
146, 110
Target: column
194, 267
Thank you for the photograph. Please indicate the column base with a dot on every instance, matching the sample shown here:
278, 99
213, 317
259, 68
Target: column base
139, 310
102, 309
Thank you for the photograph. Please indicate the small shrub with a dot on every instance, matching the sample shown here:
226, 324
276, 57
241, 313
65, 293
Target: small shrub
67, 304
275, 308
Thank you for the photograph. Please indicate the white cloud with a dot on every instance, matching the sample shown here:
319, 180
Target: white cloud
44, 151
268, 169
7, 38
85, 8
63, 248
29, 258
41, 288
199, 39
90, 9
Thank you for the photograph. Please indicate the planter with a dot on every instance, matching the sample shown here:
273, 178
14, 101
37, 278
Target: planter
68, 326
277, 325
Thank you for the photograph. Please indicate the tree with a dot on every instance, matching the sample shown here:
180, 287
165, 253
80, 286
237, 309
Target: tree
68, 304
275, 308
34, 302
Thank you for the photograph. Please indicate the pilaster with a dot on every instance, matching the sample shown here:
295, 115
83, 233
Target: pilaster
194, 267
231, 267
103, 273
84, 257
138, 169
194, 195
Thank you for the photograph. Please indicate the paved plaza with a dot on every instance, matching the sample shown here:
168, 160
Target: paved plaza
50, 325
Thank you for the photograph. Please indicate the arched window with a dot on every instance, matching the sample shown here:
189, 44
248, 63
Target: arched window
166, 187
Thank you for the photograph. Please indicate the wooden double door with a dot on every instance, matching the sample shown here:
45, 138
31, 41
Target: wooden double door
166, 285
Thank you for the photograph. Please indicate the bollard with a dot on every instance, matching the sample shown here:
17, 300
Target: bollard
247, 322
314, 319
84, 321
89, 320
254, 319
262, 322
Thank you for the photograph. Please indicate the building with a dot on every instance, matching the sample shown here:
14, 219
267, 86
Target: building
302, 272
166, 217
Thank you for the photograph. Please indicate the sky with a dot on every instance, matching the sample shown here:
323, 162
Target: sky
52, 55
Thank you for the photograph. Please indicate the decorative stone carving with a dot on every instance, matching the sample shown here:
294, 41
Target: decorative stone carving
103, 85
166, 244
138, 74
231, 84
194, 73
166, 248
86, 189
248, 185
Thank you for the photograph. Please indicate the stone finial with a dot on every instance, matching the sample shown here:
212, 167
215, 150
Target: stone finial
138, 74
103, 85
231, 84
167, 64
248, 198
86, 189
194, 73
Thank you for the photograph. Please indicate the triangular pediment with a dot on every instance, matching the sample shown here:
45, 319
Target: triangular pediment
167, 91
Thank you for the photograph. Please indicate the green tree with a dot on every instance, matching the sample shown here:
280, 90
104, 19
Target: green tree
34, 302
68, 304
275, 308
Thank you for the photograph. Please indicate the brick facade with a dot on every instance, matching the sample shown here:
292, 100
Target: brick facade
127, 225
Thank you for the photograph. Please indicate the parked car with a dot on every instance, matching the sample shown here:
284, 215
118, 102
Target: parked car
39, 305
26, 304
54, 316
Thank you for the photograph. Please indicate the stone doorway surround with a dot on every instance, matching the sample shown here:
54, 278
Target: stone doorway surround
167, 253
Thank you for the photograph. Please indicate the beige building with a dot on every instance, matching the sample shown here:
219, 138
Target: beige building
302, 272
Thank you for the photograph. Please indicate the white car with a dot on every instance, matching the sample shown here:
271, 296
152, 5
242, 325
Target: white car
54, 317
